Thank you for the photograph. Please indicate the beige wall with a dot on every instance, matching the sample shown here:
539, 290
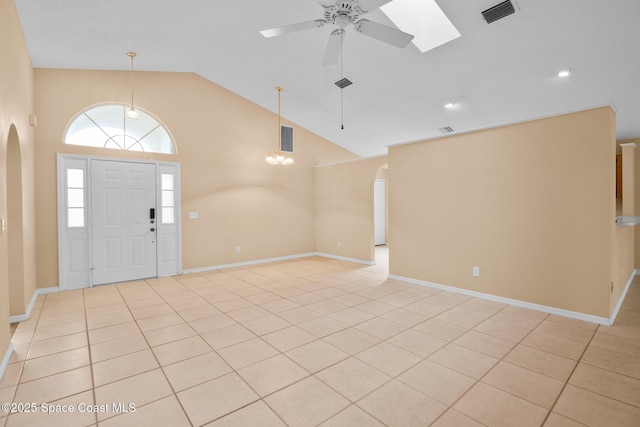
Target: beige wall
16, 102
222, 140
531, 204
344, 208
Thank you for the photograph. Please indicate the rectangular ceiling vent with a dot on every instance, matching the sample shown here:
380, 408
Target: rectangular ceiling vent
446, 129
498, 11
342, 83
286, 138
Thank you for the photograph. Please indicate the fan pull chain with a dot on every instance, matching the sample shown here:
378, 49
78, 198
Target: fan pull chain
341, 90
342, 109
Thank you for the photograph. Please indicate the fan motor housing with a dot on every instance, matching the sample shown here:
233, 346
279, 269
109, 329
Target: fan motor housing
342, 13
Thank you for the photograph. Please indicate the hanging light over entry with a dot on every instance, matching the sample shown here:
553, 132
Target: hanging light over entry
132, 113
278, 157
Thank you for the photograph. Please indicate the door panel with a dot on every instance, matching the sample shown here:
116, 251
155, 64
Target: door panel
123, 243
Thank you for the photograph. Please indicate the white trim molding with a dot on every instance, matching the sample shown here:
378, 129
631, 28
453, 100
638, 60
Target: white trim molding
39, 291
518, 303
351, 161
5, 360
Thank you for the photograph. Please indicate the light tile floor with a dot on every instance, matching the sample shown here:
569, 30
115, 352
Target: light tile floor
315, 342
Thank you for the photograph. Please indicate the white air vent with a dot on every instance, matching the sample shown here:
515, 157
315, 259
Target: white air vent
498, 11
446, 129
286, 139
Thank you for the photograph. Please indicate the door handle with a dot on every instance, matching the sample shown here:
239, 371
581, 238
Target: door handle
153, 229
152, 213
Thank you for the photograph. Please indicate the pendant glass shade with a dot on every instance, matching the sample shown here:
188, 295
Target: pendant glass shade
132, 114
279, 158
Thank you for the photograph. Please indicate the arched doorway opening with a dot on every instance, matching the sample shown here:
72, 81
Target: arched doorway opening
14, 225
381, 217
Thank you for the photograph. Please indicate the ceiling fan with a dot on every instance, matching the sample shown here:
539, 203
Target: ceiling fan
342, 13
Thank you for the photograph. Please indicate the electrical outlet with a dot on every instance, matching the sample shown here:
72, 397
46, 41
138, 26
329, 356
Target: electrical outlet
339, 244
476, 271
237, 249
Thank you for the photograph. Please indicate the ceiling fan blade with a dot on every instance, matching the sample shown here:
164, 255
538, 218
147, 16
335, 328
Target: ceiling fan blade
369, 5
332, 54
383, 33
292, 28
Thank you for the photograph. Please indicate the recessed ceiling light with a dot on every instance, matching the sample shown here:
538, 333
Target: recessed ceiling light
449, 105
564, 73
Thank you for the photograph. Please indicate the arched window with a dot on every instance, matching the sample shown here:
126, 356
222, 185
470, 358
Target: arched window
107, 126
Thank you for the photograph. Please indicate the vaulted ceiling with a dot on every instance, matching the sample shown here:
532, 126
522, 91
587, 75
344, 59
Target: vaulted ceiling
495, 74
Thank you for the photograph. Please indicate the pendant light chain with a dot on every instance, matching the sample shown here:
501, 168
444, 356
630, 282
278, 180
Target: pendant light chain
279, 89
132, 113
132, 55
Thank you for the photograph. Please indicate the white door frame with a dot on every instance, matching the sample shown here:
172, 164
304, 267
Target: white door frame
379, 212
74, 272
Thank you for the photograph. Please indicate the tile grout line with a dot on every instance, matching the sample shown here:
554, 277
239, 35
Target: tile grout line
479, 380
175, 395
566, 383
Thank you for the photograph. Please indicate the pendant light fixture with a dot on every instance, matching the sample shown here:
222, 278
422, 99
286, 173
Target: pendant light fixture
132, 113
278, 157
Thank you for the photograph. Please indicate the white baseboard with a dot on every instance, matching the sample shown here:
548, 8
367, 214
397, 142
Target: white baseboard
39, 291
246, 263
343, 258
276, 259
538, 307
616, 309
5, 360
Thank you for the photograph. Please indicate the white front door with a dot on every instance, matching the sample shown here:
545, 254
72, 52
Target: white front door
123, 221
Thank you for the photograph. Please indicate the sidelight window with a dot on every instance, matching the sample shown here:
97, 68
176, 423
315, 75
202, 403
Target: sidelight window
75, 198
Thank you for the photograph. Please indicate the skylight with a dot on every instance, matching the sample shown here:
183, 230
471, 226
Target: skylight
424, 19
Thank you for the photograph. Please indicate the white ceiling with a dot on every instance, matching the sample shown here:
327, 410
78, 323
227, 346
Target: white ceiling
496, 73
